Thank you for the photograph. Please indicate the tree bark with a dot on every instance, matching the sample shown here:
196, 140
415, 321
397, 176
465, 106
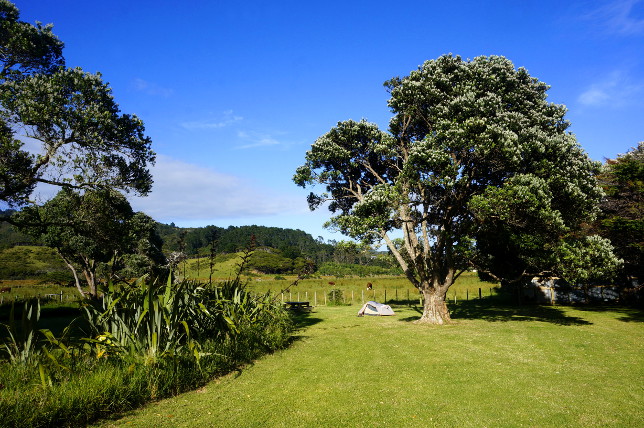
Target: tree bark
73, 269
435, 307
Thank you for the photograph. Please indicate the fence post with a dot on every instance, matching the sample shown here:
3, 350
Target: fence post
467, 294
480, 296
385, 296
351, 297
315, 295
298, 296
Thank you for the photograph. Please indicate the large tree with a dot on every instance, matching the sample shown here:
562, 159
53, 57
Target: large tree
76, 134
471, 144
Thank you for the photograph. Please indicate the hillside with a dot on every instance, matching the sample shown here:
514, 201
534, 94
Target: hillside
33, 262
293, 243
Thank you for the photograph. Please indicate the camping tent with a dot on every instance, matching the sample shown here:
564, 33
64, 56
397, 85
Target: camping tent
375, 308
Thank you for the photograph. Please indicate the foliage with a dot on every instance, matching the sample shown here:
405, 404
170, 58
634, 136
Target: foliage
347, 269
26, 48
146, 341
335, 297
19, 340
473, 148
293, 243
85, 142
96, 231
622, 209
271, 261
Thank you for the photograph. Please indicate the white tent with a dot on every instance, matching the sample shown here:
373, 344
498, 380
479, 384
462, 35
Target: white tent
375, 308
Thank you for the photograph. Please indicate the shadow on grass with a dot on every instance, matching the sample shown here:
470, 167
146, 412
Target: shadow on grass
304, 319
499, 310
626, 314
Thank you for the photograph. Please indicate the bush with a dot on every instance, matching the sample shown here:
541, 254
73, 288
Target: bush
146, 342
335, 297
345, 269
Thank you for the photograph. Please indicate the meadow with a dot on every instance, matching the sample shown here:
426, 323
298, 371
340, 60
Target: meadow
496, 366
315, 288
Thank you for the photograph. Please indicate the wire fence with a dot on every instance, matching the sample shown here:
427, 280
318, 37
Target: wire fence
407, 296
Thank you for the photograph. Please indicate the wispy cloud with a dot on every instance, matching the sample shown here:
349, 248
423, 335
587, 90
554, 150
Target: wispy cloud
619, 17
191, 192
615, 90
150, 88
226, 119
256, 139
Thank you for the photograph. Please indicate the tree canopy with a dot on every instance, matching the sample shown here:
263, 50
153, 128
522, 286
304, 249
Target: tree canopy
622, 209
475, 159
83, 140
96, 231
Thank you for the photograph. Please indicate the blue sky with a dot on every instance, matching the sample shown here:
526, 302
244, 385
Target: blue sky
234, 93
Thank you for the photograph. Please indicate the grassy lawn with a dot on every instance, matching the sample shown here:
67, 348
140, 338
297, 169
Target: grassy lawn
496, 366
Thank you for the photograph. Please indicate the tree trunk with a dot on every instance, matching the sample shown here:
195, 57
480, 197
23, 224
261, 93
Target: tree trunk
91, 284
435, 308
73, 269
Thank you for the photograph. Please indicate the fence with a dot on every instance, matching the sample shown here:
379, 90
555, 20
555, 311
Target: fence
54, 297
383, 295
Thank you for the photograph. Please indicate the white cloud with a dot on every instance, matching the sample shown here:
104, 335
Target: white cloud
615, 90
187, 192
619, 17
227, 119
255, 139
150, 88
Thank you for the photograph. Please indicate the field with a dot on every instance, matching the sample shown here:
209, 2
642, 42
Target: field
496, 366
354, 289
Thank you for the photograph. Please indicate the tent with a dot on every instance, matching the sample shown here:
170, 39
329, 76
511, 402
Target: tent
375, 308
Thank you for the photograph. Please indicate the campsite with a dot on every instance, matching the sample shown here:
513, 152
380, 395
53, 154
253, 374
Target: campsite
497, 366
285, 214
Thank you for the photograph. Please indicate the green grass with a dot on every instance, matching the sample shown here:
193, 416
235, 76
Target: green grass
395, 288
496, 366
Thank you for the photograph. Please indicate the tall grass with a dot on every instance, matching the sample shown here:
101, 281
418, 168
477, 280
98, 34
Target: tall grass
139, 343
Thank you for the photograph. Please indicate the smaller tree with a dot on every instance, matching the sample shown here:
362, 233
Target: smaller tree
94, 233
621, 219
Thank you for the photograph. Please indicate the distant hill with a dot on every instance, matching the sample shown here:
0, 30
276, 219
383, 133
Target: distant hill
33, 262
10, 236
194, 241
291, 242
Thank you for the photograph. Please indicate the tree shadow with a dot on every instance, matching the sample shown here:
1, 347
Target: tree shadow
627, 314
303, 320
499, 310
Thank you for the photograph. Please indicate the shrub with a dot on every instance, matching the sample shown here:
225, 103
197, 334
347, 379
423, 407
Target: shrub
335, 297
148, 341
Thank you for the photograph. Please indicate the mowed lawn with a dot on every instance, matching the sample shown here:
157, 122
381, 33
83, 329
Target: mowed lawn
496, 366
